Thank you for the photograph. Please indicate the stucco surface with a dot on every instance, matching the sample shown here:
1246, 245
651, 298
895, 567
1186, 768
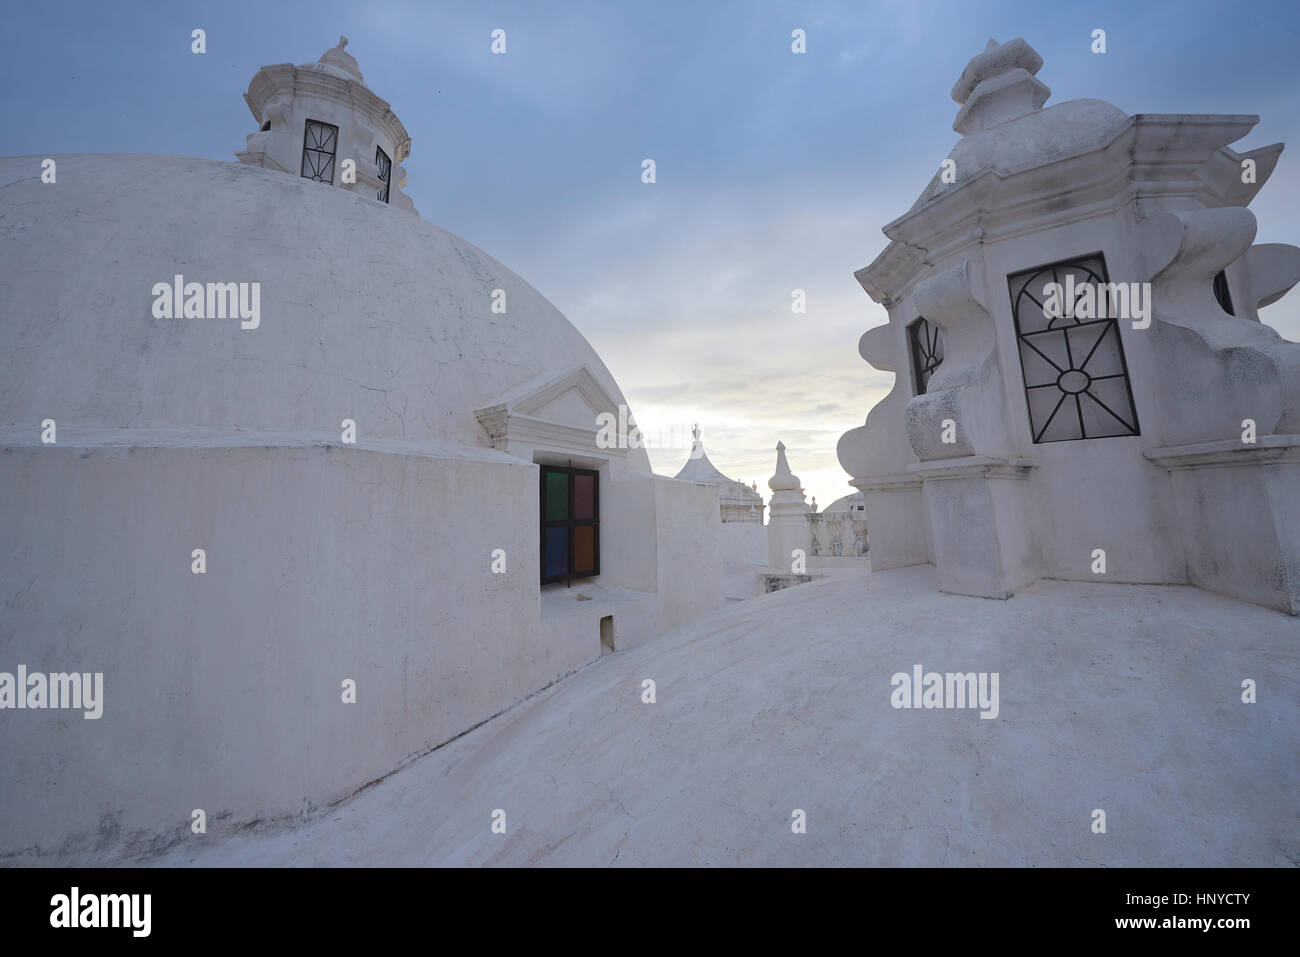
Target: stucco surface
365, 314
1114, 697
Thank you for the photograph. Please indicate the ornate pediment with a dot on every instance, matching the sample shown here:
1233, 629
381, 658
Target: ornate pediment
559, 412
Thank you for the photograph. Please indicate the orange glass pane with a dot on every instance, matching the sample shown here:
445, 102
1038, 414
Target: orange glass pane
584, 548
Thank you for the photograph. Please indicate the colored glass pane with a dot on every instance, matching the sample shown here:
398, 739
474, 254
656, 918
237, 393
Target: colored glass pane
555, 560
584, 548
557, 496
584, 496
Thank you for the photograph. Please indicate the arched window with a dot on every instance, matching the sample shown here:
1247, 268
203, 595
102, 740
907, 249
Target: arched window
385, 167
1221, 292
926, 345
319, 145
1076, 379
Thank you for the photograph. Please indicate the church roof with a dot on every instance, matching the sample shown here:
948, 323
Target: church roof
386, 320
1015, 155
698, 468
337, 61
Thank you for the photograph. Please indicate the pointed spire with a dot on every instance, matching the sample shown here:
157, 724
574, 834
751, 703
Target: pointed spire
697, 447
698, 468
784, 480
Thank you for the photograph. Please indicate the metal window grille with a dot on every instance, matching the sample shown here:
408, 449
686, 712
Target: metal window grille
570, 523
1075, 376
320, 143
385, 166
926, 345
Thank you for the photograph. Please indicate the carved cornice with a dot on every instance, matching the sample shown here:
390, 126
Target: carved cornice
1152, 156
887, 483
974, 466
285, 79
1233, 453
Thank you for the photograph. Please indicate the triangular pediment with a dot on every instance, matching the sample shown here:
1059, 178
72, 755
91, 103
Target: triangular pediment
565, 404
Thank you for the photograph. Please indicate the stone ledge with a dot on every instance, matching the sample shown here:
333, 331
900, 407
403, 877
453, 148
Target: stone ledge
1230, 453
887, 483
972, 466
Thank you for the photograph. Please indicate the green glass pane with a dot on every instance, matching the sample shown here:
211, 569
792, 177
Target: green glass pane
557, 496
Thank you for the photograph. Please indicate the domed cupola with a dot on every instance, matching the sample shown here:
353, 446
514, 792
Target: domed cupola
320, 121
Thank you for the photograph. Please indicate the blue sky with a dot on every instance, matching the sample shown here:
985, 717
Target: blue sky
775, 171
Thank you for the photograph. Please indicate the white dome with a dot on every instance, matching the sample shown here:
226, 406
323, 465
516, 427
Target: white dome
365, 313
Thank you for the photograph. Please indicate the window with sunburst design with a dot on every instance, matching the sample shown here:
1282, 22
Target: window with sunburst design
1076, 379
926, 345
320, 143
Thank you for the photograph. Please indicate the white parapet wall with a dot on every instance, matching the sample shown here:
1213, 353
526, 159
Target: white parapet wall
223, 691
744, 542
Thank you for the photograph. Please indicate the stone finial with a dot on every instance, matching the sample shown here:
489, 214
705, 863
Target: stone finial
998, 85
338, 57
784, 480
814, 503
997, 59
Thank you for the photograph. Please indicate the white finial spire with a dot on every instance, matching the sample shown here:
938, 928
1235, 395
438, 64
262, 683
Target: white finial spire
341, 59
697, 447
784, 480
998, 86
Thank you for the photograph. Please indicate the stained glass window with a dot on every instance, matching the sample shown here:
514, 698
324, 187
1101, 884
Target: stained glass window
570, 533
1071, 355
320, 143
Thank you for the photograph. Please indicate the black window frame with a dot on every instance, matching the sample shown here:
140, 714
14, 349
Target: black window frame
333, 155
570, 575
925, 350
385, 174
1080, 262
